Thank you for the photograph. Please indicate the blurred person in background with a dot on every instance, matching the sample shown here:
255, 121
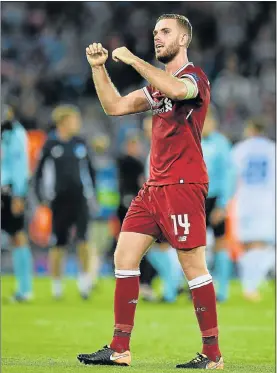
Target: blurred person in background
106, 192
254, 160
64, 180
217, 155
130, 174
161, 255
14, 190
131, 178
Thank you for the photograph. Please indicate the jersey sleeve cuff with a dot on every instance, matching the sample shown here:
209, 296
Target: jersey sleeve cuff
148, 97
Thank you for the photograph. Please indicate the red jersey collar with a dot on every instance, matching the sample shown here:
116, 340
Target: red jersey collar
182, 68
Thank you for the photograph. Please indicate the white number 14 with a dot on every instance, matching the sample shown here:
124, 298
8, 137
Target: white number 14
182, 221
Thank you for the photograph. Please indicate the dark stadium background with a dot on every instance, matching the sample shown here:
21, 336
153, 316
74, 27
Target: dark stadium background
43, 56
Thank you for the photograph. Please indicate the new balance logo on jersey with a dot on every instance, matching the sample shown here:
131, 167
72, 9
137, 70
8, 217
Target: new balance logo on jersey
166, 105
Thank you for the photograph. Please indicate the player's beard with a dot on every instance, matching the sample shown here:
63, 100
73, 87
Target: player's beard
170, 53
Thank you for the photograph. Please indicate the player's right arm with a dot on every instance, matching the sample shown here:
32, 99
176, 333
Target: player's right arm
112, 102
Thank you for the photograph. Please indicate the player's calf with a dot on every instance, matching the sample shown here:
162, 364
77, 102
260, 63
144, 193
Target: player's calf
56, 260
23, 267
204, 299
84, 279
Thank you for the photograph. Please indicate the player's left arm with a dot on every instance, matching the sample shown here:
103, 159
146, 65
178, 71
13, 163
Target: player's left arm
174, 88
20, 163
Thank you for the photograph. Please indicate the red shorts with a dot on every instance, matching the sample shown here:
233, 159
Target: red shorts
172, 213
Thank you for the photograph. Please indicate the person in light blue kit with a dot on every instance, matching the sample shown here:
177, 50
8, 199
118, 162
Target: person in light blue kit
14, 188
161, 255
217, 155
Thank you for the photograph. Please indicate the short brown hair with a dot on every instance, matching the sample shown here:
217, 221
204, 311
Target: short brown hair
182, 21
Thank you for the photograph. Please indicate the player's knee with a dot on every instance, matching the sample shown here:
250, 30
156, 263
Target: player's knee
193, 262
193, 272
124, 261
119, 261
19, 239
192, 267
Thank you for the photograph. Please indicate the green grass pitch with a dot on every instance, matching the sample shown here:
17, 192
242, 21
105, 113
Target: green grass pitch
45, 336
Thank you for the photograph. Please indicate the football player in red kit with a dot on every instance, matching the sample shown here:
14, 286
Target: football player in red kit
171, 204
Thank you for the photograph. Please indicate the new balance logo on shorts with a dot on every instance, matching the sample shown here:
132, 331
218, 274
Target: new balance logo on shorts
182, 238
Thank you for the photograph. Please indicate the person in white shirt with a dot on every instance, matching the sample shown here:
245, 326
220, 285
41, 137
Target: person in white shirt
254, 160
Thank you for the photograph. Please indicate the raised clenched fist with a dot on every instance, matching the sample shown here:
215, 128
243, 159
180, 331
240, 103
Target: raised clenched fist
96, 54
124, 55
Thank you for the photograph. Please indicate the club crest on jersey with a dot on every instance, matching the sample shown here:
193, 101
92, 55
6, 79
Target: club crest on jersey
57, 151
165, 105
80, 151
